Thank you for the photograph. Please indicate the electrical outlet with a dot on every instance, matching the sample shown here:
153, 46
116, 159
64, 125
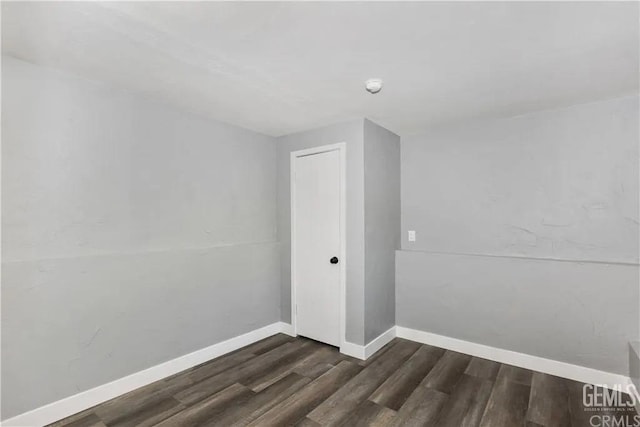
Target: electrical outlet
412, 235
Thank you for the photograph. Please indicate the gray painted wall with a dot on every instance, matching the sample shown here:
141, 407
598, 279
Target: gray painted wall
352, 134
381, 225
578, 313
554, 184
559, 184
133, 233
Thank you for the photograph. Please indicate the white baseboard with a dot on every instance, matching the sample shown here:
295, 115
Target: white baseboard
379, 342
353, 350
527, 361
79, 402
287, 328
363, 352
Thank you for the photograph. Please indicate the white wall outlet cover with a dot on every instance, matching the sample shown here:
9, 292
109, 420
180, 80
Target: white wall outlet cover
412, 235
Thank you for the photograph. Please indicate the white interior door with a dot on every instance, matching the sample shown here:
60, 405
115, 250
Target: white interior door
316, 246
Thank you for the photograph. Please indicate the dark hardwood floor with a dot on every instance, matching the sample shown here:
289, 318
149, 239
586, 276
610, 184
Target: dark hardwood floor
283, 381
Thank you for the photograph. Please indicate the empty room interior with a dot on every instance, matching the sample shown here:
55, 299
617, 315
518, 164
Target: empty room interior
320, 214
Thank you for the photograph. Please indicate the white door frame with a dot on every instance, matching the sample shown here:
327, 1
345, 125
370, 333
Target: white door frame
341, 147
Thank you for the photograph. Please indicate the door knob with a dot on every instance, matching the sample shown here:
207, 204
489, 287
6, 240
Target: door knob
334, 260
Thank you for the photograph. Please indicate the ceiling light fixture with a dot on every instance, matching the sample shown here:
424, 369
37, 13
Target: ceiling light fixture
373, 86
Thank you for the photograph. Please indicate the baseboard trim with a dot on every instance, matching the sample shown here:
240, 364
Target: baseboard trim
79, 402
353, 350
522, 360
379, 342
363, 352
287, 329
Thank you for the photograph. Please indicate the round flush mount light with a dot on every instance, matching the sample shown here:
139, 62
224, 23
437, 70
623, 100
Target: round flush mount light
373, 86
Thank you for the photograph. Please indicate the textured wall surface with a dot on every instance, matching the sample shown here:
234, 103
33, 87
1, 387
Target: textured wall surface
527, 233
555, 184
579, 313
350, 133
382, 226
71, 324
133, 233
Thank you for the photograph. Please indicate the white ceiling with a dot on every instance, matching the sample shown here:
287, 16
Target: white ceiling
277, 68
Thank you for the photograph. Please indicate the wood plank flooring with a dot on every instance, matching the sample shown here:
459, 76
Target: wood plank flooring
285, 381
